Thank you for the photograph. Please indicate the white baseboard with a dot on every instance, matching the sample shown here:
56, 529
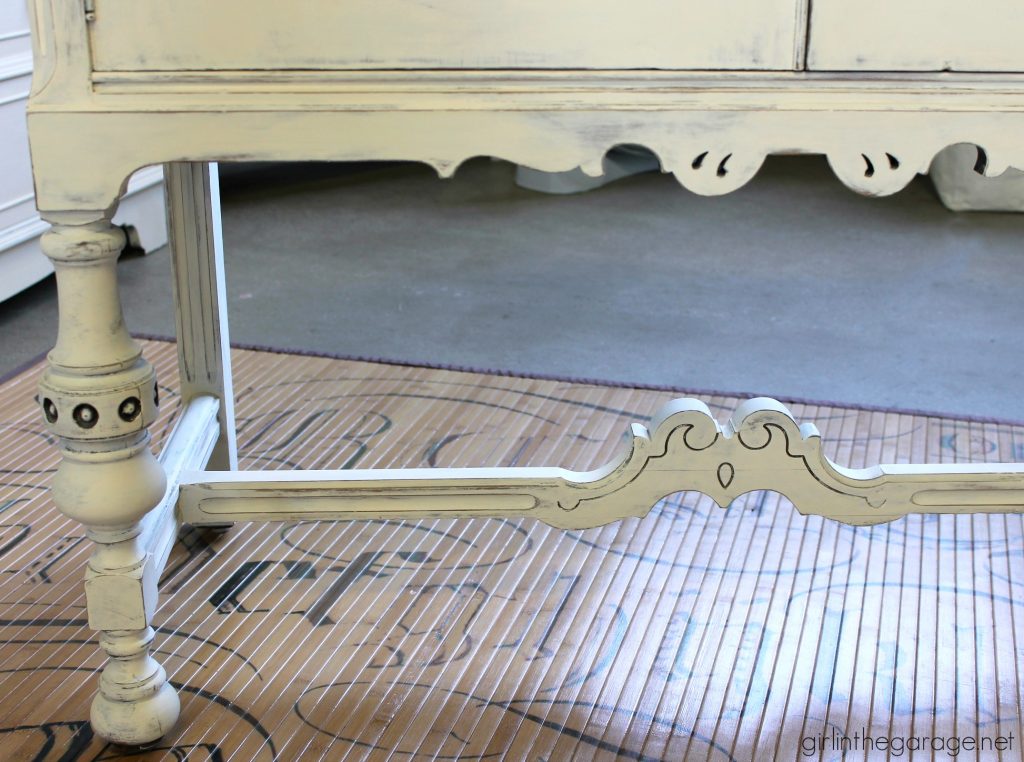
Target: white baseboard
22, 262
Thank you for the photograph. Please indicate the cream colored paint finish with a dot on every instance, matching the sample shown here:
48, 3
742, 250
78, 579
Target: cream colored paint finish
137, 35
201, 320
963, 190
190, 446
711, 152
761, 447
916, 35
98, 397
712, 129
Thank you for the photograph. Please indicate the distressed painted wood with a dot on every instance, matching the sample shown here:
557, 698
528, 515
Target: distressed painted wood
916, 35
190, 446
98, 396
553, 86
134, 35
962, 189
197, 251
711, 132
761, 447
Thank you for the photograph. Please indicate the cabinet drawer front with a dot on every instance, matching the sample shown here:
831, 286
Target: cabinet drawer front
189, 35
916, 35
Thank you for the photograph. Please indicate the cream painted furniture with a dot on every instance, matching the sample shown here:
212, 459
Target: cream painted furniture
710, 87
952, 172
962, 189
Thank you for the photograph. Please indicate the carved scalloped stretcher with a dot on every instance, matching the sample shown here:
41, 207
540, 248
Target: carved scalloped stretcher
761, 447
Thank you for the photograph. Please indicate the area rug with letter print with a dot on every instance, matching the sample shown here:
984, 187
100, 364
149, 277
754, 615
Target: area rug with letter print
695, 633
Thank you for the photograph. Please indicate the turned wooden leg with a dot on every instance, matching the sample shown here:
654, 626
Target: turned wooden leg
98, 397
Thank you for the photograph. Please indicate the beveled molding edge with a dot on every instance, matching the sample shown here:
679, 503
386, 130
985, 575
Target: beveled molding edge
556, 80
760, 447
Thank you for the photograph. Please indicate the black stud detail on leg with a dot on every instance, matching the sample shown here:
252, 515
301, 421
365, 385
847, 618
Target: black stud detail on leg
129, 410
85, 416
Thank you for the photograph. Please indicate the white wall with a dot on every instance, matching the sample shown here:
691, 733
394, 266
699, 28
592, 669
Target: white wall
21, 262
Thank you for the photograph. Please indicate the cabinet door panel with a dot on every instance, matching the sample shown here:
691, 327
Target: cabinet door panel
140, 35
916, 35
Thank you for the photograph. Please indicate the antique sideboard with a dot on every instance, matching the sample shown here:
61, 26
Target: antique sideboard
878, 86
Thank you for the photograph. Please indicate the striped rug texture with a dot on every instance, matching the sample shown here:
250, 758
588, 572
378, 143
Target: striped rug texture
696, 633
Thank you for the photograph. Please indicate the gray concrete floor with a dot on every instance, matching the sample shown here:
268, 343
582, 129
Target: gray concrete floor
793, 286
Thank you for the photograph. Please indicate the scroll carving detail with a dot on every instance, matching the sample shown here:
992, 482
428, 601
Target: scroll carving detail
760, 447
